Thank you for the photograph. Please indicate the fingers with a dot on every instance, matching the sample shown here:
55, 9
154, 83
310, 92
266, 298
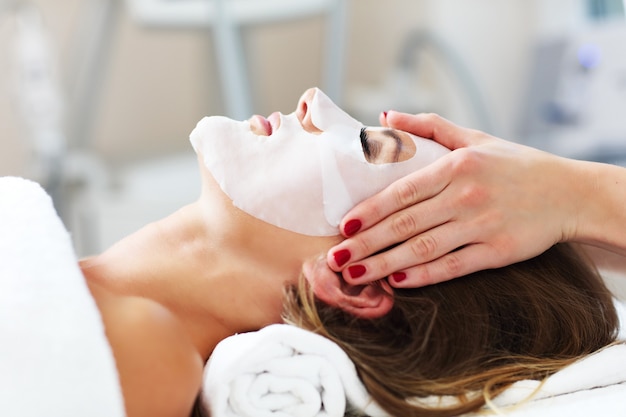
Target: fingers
414, 188
394, 229
382, 118
454, 264
423, 248
469, 259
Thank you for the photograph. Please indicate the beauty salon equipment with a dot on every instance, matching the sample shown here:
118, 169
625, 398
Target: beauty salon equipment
577, 95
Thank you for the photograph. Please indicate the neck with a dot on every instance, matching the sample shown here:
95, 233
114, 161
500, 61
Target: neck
217, 277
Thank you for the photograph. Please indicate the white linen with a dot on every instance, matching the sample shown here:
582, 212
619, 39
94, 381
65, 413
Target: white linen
283, 371
55, 360
595, 385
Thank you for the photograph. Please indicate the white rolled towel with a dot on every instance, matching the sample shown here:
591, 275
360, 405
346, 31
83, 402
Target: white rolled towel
283, 371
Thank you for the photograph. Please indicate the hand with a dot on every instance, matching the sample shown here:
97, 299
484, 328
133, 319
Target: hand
486, 204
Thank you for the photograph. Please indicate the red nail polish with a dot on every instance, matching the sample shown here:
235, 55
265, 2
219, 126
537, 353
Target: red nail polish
352, 227
341, 257
356, 271
398, 276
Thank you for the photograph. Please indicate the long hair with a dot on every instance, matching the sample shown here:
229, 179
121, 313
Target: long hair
470, 338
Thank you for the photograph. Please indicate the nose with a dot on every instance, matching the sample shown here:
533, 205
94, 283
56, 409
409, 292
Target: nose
303, 111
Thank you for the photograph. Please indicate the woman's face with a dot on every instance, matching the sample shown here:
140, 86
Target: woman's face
303, 171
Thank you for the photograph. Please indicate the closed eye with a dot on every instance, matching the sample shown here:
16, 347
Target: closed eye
365, 144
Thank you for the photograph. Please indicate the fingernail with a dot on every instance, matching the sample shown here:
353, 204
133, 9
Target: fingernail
352, 227
341, 257
398, 276
356, 271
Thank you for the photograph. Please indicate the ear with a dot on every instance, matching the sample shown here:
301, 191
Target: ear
364, 301
367, 301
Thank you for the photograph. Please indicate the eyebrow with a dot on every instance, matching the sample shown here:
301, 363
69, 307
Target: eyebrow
392, 134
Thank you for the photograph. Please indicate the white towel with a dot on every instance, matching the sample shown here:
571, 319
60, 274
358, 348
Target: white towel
283, 371
55, 360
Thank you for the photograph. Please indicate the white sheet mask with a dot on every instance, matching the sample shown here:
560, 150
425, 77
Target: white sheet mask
296, 180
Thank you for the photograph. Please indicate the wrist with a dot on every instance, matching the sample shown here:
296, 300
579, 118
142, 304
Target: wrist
599, 201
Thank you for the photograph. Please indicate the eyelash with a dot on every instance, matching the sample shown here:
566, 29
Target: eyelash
364, 143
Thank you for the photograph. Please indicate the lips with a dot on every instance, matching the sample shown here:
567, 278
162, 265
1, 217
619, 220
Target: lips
265, 127
260, 125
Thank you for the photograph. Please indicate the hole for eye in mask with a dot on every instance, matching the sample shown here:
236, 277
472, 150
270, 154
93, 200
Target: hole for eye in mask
384, 145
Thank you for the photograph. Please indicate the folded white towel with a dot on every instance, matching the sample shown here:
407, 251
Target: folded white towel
55, 360
283, 371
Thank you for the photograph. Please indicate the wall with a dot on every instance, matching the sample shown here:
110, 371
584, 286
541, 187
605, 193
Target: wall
158, 83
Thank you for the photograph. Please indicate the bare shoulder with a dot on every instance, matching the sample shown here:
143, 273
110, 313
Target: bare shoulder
160, 370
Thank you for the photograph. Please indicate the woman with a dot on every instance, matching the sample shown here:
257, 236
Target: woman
213, 269
273, 193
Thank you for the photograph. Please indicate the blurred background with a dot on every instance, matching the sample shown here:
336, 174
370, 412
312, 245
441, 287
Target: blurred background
98, 97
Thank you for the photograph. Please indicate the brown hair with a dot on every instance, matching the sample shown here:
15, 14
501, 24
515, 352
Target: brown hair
473, 337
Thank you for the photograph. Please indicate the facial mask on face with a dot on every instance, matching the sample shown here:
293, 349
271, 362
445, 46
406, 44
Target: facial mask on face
297, 180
